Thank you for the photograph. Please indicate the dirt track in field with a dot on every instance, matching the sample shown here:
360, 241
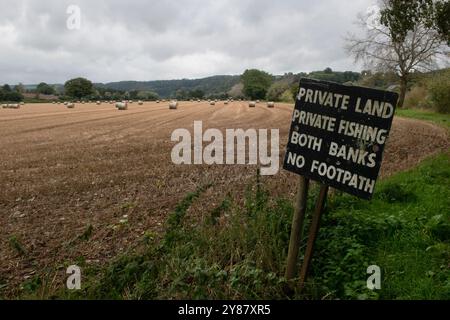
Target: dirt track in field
63, 170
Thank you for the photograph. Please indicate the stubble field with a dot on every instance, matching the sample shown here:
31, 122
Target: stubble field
87, 183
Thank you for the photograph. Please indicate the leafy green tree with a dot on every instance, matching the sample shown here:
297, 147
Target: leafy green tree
44, 88
10, 95
148, 95
6, 88
403, 16
78, 88
406, 40
197, 94
256, 83
276, 90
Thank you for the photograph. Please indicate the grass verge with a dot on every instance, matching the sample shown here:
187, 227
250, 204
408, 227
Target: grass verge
438, 118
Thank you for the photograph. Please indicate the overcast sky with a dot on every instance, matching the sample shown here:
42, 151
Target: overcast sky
151, 40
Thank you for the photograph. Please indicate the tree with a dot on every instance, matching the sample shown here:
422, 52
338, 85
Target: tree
20, 88
256, 83
197, 94
276, 90
148, 95
6, 94
404, 38
44, 88
78, 88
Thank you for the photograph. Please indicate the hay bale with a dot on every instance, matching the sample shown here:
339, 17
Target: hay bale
226, 102
122, 105
252, 104
270, 104
98, 103
140, 102
70, 105
213, 103
4, 106
173, 105
14, 106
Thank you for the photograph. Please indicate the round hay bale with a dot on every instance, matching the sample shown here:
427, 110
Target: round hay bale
173, 105
122, 105
226, 102
4, 106
257, 101
270, 104
14, 106
213, 103
98, 103
70, 105
140, 102
252, 104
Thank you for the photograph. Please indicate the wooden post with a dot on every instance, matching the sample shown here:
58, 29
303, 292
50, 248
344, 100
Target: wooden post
297, 226
313, 231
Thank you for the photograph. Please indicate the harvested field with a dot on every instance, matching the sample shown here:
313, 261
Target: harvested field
66, 171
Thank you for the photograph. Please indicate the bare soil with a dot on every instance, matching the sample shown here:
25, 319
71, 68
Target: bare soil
64, 170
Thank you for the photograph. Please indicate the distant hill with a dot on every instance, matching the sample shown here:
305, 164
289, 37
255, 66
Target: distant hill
167, 88
210, 86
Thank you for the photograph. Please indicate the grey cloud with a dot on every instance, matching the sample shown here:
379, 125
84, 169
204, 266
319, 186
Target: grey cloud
145, 40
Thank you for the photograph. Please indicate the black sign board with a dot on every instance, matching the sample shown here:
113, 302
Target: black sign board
338, 134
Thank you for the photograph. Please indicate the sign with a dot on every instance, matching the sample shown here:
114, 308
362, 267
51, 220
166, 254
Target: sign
338, 134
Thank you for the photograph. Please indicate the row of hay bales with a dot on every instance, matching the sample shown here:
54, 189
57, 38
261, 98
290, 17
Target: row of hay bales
124, 104
98, 102
12, 105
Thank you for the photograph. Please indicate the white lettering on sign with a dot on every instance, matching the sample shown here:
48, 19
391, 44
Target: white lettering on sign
307, 141
314, 120
338, 134
343, 176
324, 98
363, 132
376, 108
355, 155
